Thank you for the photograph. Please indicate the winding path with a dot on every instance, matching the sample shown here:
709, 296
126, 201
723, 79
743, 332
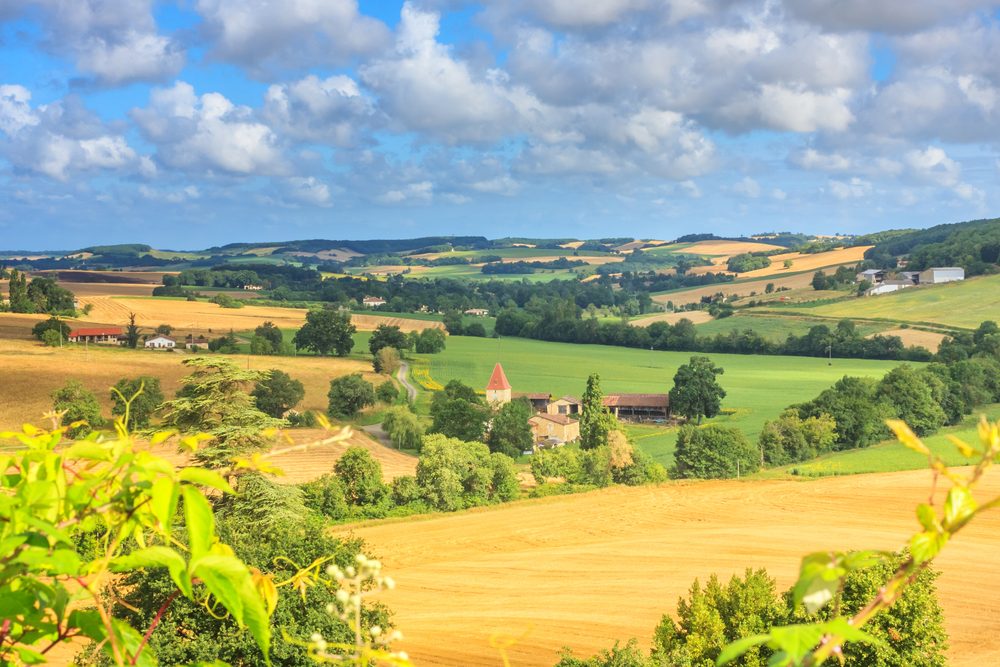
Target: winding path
403, 375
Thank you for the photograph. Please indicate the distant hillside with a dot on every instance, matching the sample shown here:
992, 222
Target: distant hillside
973, 245
369, 247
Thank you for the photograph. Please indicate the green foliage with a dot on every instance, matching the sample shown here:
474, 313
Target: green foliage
326, 331
131, 332
747, 262
141, 397
79, 405
214, 400
361, 476
628, 655
431, 341
856, 407
914, 397
696, 393
226, 301
387, 392
54, 324
387, 336
326, 496
272, 334
403, 427
51, 338
457, 412
791, 439
454, 475
510, 432
348, 395
558, 462
714, 451
18, 293
453, 322
277, 393
595, 420
386, 360
164, 330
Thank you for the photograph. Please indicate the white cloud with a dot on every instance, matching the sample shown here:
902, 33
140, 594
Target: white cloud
15, 109
309, 190
331, 110
747, 187
208, 133
891, 16
421, 192
779, 194
855, 188
812, 159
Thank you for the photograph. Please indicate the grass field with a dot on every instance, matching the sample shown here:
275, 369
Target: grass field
960, 304
741, 288
32, 372
758, 388
774, 328
890, 456
585, 570
696, 316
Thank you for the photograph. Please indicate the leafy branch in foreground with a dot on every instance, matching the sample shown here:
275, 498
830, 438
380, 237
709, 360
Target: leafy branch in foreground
822, 575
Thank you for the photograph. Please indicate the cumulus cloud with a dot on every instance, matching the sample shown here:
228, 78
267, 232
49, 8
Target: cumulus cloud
855, 188
331, 110
266, 35
747, 187
890, 16
59, 139
207, 133
114, 41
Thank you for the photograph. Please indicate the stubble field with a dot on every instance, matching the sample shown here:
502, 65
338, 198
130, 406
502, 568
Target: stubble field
585, 570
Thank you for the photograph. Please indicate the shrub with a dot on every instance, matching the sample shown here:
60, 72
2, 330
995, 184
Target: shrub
349, 394
431, 341
714, 452
403, 428
454, 475
278, 393
386, 361
361, 476
387, 392
51, 338
53, 324
79, 405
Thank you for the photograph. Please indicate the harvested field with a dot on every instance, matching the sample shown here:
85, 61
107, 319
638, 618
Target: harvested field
109, 289
728, 248
594, 260
585, 570
800, 262
201, 315
696, 317
128, 277
928, 339
31, 372
693, 295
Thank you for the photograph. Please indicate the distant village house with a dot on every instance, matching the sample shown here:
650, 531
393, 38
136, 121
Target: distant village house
477, 312
102, 336
160, 342
373, 301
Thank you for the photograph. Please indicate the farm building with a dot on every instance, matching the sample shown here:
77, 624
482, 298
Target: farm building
253, 288
373, 301
477, 312
559, 428
638, 407
106, 335
199, 343
873, 276
160, 342
539, 402
938, 275
498, 388
566, 405
887, 286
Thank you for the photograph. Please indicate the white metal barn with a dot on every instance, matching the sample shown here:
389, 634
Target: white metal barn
945, 274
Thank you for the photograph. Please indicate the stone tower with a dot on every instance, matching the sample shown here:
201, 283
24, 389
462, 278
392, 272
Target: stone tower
498, 389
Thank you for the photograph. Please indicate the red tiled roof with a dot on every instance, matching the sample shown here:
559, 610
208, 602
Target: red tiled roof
498, 381
96, 332
637, 400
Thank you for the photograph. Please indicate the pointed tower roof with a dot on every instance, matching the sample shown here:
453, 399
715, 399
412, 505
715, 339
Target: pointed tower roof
498, 381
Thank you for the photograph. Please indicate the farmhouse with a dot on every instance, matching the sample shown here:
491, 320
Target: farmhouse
938, 275
373, 301
107, 335
566, 405
539, 401
873, 276
559, 428
253, 288
160, 342
477, 312
199, 343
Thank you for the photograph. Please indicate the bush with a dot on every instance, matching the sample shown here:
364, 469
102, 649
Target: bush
790, 439
387, 392
142, 406
51, 338
361, 476
79, 405
430, 341
405, 490
386, 361
476, 329
747, 262
714, 452
454, 475
305, 419
55, 325
226, 301
348, 395
278, 393
326, 496
403, 428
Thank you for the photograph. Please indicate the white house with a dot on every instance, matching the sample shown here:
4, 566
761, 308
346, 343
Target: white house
373, 301
477, 312
161, 342
945, 274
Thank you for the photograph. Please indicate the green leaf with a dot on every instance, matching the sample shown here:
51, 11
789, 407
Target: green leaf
229, 580
959, 505
928, 517
840, 627
92, 451
797, 641
205, 477
925, 546
819, 593
157, 557
739, 647
163, 501
200, 521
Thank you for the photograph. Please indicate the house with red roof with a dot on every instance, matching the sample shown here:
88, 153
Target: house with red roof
97, 335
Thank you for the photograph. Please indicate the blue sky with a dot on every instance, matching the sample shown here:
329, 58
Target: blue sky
192, 123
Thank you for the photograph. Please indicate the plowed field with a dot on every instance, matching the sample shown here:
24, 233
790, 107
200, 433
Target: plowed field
585, 570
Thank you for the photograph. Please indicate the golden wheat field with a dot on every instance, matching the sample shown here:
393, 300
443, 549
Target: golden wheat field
693, 295
696, 317
202, 315
585, 570
800, 262
928, 339
728, 248
30, 372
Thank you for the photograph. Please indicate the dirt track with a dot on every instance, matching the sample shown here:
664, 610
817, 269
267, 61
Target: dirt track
584, 570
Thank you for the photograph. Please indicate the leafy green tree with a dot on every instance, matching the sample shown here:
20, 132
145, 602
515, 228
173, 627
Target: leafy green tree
54, 324
326, 331
214, 399
696, 393
595, 420
260, 346
714, 451
51, 338
430, 341
856, 407
361, 476
387, 336
277, 393
348, 395
164, 330
453, 474
387, 392
453, 322
403, 427
911, 395
269, 332
144, 398
79, 405
790, 438
326, 496
820, 281
510, 432
475, 329
715, 615
18, 293
132, 332
629, 655
457, 412
48, 297
386, 361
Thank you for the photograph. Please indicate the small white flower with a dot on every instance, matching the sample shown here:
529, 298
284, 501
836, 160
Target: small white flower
376, 631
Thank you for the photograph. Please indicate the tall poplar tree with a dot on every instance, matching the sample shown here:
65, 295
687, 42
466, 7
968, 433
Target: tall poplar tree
595, 420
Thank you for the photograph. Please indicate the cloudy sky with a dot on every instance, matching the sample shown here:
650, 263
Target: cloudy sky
190, 123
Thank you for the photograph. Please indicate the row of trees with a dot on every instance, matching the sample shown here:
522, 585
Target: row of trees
39, 295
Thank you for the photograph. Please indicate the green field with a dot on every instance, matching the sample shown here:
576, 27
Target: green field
776, 328
758, 388
890, 456
960, 304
